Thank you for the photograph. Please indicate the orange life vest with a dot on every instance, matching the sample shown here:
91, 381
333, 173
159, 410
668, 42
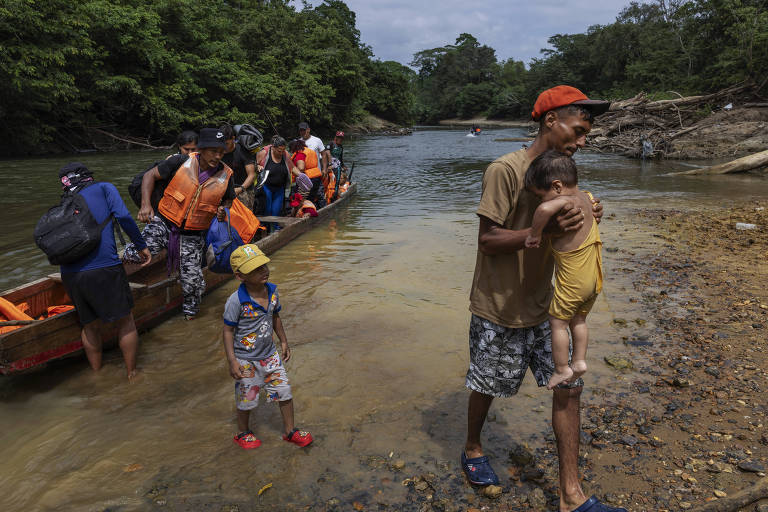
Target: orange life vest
243, 221
329, 182
312, 167
189, 204
306, 205
343, 188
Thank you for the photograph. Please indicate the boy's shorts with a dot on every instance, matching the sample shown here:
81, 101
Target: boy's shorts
499, 357
266, 373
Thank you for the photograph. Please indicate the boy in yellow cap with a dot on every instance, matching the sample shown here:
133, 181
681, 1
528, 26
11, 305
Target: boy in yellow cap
250, 316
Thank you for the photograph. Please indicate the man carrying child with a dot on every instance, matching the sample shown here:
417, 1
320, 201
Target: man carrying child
511, 292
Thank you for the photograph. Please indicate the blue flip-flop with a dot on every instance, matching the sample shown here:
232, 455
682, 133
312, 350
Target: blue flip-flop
594, 505
479, 470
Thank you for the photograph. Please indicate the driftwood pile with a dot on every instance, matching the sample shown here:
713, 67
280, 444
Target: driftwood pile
640, 128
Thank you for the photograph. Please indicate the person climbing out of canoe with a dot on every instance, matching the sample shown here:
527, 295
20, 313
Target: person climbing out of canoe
97, 283
199, 187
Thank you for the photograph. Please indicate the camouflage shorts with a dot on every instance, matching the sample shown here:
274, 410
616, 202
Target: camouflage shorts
499, 357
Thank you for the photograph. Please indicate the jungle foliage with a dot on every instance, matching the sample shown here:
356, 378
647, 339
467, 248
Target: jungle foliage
151, 68
688, 47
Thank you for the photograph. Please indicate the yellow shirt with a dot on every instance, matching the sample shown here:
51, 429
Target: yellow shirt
578, 277
513, 289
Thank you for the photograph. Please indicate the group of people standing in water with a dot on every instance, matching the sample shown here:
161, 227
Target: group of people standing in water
178, 199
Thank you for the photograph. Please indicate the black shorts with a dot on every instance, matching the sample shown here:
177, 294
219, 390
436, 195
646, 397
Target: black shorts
101, 293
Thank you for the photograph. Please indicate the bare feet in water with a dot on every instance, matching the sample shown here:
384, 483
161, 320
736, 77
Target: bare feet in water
560, 376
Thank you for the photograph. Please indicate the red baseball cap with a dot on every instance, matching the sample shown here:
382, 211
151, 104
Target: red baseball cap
339, 134
563, 95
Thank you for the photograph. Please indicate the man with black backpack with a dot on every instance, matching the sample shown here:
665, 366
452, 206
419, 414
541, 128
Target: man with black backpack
90, 267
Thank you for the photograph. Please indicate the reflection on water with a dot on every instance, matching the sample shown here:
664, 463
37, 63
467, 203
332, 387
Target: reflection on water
375, 307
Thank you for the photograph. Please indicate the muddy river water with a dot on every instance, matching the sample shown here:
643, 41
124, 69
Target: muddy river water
375, 308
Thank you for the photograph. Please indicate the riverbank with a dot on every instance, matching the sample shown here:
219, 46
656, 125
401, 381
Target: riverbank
375, 308
373, 125
681, 424
484, 122
725, 124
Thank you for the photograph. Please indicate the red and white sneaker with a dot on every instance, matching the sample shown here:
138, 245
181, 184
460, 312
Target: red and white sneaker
299, 437
247, 440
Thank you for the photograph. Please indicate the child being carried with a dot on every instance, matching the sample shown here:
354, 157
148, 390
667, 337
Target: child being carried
553, 178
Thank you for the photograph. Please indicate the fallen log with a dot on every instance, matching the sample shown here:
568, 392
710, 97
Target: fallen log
743, 164
692, 100
741, 499
128, 141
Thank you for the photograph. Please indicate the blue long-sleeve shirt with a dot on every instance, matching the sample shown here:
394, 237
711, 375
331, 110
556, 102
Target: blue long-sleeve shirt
104, 200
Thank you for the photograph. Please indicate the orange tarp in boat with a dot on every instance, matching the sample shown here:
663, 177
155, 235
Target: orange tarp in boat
9, 311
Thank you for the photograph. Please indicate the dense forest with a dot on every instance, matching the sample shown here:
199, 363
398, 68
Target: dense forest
688, 47
150, 68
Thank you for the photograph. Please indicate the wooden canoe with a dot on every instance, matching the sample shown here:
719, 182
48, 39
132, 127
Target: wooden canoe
156, 297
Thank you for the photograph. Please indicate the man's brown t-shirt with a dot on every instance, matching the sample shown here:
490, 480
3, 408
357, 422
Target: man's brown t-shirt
512, 289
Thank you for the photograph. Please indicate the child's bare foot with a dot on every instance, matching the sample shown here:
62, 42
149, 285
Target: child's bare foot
559, 377
132, 375
579, 368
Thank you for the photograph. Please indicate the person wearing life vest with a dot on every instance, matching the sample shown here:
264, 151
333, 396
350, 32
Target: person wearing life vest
301, 207
343, 184
334, 155
314, 144
298, 157
277, 167
199, 187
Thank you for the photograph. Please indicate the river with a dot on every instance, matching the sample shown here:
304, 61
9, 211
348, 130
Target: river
375, 308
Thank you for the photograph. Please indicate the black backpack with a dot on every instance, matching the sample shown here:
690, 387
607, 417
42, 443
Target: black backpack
68, 232
134, 189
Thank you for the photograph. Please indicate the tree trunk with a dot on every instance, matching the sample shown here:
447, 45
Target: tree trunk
741, 499
739, 165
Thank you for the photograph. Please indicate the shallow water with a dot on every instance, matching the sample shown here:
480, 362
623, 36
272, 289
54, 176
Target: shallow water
375, 308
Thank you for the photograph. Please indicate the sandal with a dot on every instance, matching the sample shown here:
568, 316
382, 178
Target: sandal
594, 505
247, 440
479, 470
299, 437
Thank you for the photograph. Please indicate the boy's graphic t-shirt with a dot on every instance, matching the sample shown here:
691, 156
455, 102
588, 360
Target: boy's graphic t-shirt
252, 323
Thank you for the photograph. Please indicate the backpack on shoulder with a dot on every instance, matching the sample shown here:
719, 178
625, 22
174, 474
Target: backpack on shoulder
134, 189
68, 232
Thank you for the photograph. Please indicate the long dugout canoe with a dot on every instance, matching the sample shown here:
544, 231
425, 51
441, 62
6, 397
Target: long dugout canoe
156, 297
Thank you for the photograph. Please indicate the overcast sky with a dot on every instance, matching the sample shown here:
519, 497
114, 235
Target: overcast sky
396, 29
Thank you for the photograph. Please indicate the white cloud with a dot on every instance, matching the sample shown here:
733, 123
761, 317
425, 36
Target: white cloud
519, 29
